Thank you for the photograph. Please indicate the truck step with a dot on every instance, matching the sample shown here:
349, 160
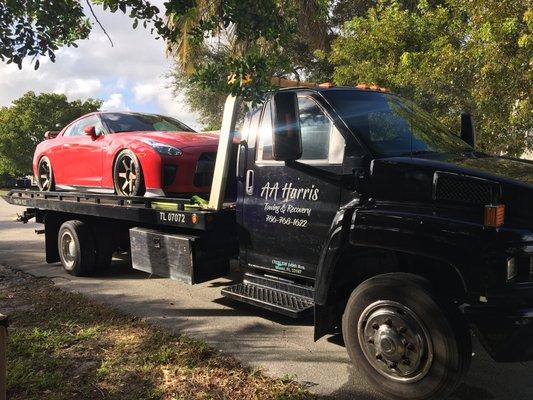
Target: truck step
281, 296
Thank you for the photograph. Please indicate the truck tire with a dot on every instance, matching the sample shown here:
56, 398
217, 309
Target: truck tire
76, 247
406, 341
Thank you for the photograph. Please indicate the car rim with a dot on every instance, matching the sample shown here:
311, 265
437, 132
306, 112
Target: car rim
68, 249
394, 341
45, 175
127, 176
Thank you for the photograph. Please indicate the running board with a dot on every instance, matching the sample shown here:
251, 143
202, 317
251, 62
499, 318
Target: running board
275, 294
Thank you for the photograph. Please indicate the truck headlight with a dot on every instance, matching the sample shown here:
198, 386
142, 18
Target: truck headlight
512, 268
163, 148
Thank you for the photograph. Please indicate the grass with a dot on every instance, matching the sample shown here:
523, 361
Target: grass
3, 192
64, 346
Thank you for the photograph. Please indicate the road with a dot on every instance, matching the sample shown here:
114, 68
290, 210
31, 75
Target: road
278, 345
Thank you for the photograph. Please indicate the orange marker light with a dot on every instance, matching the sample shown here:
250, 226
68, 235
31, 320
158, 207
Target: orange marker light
494, 215
326, 85
194, 218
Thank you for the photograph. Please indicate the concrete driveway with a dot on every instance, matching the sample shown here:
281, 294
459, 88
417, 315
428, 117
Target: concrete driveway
278, 345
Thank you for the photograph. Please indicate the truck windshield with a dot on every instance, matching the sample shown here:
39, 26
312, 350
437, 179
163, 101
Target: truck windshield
392, 126
132, 122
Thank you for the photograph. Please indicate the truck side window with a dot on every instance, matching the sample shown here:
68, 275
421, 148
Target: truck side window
322, 143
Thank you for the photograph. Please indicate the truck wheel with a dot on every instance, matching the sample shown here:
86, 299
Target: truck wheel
127, 175
76, 248
408, 344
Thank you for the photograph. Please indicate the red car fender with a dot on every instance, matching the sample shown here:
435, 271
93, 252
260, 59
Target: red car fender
149, 159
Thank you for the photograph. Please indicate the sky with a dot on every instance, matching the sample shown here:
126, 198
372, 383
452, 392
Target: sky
132, 75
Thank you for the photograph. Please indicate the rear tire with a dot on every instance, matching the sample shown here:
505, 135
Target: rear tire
45, 175
407, 343
127, 175
76, 248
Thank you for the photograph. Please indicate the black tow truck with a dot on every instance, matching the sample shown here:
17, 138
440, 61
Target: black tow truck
352, 204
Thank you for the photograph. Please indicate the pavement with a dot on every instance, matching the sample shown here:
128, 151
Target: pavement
279, 346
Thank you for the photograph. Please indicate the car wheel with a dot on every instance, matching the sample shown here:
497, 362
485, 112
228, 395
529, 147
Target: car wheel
45, 177
77, 249
407, 343
127, 175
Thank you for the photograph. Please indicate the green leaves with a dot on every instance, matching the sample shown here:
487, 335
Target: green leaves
23, 124
34, 28
449, 56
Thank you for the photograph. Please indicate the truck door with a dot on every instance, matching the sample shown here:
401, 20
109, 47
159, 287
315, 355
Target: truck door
286, 213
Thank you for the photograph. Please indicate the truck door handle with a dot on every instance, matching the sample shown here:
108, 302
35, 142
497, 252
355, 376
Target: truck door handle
241, 160
250, 182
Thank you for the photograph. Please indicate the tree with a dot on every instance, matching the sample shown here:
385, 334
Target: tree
263, 37
450, 56
23, 124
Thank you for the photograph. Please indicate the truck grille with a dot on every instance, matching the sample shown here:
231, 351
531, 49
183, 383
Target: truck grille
465, 189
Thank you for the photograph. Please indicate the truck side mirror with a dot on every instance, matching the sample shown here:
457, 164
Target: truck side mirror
287, 138
468, 132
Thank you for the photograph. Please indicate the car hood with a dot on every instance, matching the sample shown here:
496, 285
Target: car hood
417, 178
178, 139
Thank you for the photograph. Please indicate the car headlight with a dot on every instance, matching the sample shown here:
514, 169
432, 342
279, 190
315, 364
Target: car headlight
163, 148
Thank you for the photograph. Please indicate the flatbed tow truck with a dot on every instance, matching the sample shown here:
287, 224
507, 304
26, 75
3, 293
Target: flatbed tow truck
351, 204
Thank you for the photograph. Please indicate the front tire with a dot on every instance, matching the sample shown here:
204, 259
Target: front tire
127, 175
407, 343
45, 175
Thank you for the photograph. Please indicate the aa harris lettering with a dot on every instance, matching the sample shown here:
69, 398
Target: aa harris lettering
289, 192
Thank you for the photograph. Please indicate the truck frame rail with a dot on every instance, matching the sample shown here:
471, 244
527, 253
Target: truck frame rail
172, 212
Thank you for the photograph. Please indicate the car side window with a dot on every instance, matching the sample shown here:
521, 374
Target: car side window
322, 143
77, 129
71, 130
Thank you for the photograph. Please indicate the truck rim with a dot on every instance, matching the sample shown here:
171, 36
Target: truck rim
45, 175
395, 342
127, 176
68, 249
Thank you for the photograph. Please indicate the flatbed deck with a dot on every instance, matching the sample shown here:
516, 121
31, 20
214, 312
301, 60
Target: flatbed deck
156, 211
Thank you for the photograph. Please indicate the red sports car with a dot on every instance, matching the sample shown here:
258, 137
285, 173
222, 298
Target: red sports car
126, 153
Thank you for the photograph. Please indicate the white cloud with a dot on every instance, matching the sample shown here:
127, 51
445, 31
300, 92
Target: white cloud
115, 102
79, 88
145, 91
130, 74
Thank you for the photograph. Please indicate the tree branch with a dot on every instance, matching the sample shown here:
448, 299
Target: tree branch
98, 22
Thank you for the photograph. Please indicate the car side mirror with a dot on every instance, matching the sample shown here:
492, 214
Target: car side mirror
287, 137
468, 132
90, 131
50, 134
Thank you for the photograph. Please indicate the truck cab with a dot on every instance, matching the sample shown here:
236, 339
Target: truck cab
352, 201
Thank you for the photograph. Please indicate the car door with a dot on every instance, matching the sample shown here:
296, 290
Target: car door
286, 213
81, 156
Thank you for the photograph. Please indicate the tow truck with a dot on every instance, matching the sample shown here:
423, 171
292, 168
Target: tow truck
353, 205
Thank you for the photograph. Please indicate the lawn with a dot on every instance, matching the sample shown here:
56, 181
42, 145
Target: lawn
64, 346
3, 192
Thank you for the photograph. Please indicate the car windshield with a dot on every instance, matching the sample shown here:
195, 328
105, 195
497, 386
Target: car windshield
131, 122
392, 126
